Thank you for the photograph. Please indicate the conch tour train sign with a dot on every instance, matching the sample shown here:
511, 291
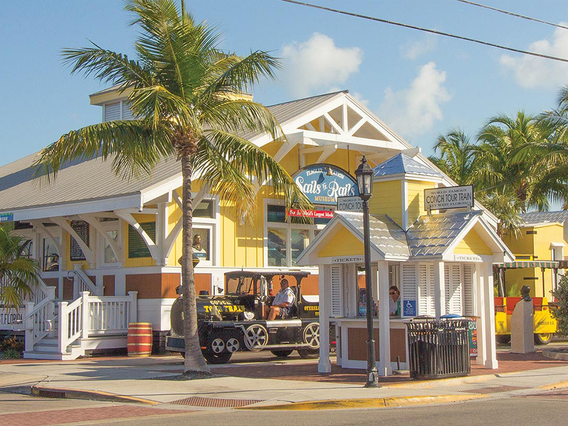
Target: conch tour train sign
323, 183
453, 197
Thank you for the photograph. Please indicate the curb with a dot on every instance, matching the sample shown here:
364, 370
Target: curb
46, 392
557, 353
344, 404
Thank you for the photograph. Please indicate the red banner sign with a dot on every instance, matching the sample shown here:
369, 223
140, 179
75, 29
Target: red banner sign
317, 214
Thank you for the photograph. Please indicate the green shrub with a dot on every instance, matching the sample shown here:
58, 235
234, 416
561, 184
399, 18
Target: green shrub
10, 354
561, 310
11, 343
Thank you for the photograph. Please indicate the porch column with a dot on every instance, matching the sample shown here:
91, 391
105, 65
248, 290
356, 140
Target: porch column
385, 368
324, 364
487, 348
439, 283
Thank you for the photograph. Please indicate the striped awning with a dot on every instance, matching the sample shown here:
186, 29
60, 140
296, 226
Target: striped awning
527, 264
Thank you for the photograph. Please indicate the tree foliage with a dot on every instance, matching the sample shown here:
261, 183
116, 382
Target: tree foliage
187, 97
18, 272
560, 312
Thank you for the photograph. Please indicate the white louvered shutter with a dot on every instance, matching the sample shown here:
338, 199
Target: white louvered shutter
336, 292
426, 304
468, 301
409, 284
453, 288
112, 112
127, 112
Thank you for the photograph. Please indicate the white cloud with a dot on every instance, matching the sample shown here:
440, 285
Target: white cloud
317, 64
414, 110
413, 50
532, 72
359, 97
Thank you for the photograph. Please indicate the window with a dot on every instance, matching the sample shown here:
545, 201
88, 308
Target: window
50, 258
204, 209
82, 229
288, 237
136, 246
202, 243
109, 255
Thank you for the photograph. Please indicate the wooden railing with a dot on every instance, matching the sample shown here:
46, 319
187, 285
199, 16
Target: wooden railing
81, 283
95, 315
14, 319
39, 321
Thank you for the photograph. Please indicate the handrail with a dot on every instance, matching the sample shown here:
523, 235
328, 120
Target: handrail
82, 282
38, 321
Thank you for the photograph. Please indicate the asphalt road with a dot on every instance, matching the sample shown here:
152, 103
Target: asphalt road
21, 410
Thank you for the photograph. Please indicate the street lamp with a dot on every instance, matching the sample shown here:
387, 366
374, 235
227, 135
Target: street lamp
364, 175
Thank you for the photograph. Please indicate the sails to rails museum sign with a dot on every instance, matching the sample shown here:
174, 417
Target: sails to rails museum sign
323, 183
454, 197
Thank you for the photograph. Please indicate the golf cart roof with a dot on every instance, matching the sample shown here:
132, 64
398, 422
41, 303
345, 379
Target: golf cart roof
266, 274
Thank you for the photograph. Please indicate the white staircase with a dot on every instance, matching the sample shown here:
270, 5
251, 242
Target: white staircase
87, 323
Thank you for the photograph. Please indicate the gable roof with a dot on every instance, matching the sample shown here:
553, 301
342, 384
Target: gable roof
429, 238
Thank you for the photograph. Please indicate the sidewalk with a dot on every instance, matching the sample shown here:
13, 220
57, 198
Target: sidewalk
291, 384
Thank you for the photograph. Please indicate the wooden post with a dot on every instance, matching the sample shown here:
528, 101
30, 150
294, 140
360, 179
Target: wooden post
85, 315
29, 327
133, 309
63, 327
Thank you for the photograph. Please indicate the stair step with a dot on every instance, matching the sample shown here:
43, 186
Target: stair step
48, 355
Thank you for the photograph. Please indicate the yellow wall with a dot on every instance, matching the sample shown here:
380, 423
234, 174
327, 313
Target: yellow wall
537, 246
415, 200
343, 243
472, 244
387, 199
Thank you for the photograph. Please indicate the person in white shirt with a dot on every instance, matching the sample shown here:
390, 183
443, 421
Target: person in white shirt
394, 303
282, 302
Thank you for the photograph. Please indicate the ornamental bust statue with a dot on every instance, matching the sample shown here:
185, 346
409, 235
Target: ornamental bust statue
525, 293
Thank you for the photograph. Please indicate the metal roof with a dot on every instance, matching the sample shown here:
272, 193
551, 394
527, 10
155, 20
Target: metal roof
432, 235
402, 163
533, 218
94, 179
385, 234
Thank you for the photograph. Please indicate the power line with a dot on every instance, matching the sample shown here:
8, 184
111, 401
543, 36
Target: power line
472, 40
512, 14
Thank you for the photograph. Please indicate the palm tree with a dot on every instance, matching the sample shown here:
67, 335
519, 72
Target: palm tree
456, 157
18, 272
187, 97
512, 162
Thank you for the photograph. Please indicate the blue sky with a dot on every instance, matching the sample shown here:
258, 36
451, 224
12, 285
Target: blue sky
419, 84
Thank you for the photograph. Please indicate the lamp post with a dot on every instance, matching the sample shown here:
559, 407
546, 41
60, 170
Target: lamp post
364, 175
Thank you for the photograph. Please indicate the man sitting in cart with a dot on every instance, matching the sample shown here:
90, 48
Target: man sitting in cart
282, 302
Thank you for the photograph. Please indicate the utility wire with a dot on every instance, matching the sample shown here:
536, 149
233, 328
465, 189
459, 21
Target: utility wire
512, 14
356, 15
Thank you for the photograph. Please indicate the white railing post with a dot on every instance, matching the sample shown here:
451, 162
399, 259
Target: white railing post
85, 315
63, 327
29, 325
51, 293
133, 309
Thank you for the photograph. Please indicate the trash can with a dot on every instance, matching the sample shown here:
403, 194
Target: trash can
438, 349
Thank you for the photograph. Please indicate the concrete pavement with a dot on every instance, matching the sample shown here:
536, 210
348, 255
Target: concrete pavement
271, 384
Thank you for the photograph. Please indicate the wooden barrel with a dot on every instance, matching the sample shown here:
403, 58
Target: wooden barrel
139, 339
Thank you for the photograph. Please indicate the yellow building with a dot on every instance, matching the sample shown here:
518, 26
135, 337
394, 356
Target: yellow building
543, 237
120, 239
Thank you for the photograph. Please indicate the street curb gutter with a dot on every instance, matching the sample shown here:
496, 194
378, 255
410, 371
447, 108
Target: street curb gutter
46, 392
343, 404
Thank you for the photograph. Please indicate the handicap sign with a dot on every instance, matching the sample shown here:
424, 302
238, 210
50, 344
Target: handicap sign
409, 308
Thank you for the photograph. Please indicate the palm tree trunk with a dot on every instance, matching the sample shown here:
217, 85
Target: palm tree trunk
194, 361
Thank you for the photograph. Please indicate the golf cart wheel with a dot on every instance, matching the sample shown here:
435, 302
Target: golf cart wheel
542, 339
213, 358
282, 353
503, 339
308, 353
312, 335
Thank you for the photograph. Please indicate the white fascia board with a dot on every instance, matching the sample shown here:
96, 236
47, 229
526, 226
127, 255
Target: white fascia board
540, 225
161, 188
81, 207
407, 176
351, 140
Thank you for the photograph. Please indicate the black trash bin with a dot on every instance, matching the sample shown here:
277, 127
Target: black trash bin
438, 349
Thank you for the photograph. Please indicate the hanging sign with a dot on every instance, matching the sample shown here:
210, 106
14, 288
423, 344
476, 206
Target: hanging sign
323, 183
350, 204
454, 197
316, 214
6, 217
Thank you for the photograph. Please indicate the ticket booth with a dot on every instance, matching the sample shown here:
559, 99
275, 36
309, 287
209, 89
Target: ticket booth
440, 261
